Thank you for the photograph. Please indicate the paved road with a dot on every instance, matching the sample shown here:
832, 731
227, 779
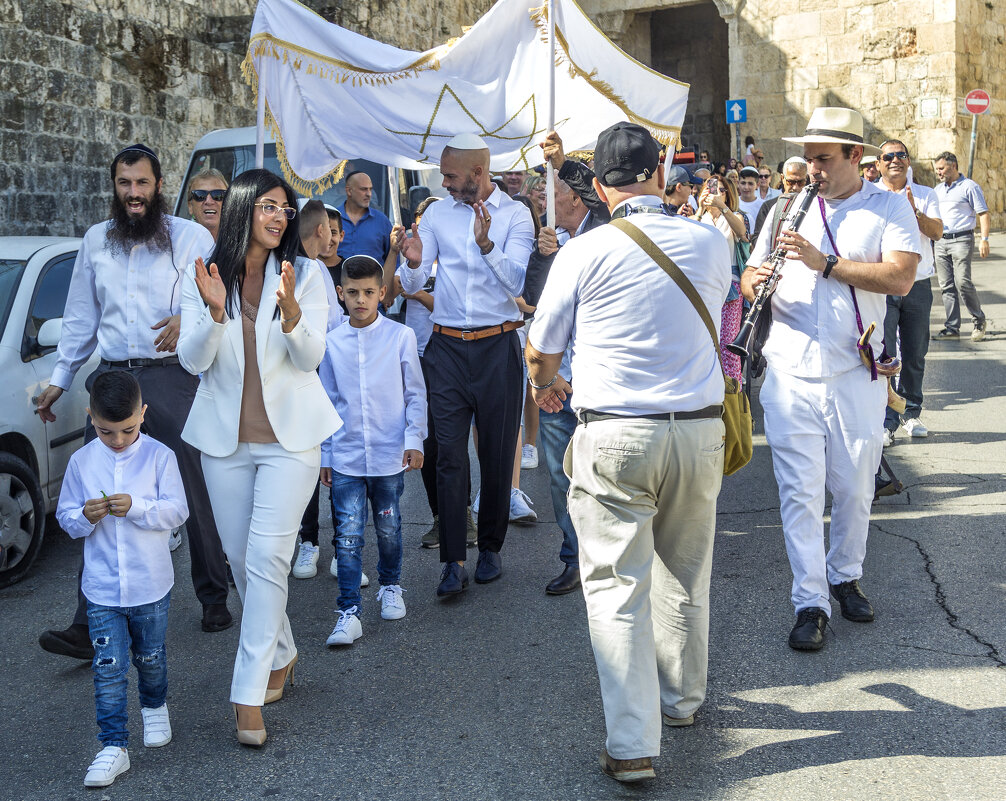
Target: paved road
496, 696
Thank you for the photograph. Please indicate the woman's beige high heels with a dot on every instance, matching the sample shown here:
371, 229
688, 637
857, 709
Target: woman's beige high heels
272, 695
255, 737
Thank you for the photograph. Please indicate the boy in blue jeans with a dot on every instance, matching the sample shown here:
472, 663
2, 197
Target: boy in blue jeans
372, 374
124, 494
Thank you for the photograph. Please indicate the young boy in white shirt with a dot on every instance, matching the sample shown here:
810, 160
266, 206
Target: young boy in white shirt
372, 374
124, 494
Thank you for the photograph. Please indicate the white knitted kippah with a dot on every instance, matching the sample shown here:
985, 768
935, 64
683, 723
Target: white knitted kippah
467, 141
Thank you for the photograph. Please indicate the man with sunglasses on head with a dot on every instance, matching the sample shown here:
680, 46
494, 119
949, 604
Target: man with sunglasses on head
206, 194
909, 315
124, 299
962, 204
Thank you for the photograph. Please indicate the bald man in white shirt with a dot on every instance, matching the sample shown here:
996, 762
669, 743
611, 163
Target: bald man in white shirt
481, 241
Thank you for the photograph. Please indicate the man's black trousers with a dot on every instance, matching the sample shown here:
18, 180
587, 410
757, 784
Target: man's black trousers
481, 378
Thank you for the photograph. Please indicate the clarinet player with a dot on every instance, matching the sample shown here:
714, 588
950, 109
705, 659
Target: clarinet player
823, 407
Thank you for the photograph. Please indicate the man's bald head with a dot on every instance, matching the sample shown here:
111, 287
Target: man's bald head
466, 173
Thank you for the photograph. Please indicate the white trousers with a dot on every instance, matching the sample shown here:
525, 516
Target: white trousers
824, 434
259, 494
642, 499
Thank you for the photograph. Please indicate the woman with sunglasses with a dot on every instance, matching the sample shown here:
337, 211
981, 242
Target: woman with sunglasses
206, 193
253, 323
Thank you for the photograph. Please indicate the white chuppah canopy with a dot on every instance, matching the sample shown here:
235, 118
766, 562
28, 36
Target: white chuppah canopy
331, 94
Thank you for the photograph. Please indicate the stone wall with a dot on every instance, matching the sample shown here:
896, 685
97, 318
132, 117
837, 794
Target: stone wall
80, 79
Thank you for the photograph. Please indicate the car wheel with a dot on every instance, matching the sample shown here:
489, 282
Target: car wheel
22, 519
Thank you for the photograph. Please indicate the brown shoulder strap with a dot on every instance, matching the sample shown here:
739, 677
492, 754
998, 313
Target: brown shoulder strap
679, 278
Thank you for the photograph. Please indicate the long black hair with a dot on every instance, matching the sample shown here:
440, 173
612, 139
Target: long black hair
234, 235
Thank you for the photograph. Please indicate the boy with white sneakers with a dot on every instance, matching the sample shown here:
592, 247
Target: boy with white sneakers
127, 575
371, 372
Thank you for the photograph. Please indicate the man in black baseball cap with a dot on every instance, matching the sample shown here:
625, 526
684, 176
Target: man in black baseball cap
626, 153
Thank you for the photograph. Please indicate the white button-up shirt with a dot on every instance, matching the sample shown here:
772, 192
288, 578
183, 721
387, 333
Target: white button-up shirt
114, 298
126, 559
639, 346
960, 203
925, 202
474, 290
375, 382
814, 331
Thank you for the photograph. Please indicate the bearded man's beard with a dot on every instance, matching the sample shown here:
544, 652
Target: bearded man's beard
150, 229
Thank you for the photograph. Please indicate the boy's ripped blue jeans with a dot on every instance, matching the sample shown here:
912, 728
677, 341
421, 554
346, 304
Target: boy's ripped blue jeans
349, 515
114, 631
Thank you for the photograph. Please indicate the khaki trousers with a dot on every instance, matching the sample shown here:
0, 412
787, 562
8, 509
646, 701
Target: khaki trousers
642, 498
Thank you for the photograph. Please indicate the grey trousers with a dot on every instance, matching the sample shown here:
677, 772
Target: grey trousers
642, 497
953, 267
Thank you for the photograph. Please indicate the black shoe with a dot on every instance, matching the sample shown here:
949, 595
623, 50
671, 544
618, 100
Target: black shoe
74, 642
947, 333
453, 580
855, 605
489, 568
808, 633
216, 617
567, 581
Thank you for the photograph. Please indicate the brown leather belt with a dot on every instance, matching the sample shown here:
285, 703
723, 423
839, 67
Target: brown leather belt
472, 334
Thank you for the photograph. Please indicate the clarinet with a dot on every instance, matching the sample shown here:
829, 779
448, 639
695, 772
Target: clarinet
741, 344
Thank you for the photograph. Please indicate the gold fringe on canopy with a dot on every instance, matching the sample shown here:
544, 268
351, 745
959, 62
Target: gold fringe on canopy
304, 186
665, 134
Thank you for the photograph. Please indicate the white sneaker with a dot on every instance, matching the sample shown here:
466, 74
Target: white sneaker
306, 565
347, 629
475, 503
888, 437
156, 726
334, 570
109, 763
528, 457
175, 539
520, 507
392, 603
915, 427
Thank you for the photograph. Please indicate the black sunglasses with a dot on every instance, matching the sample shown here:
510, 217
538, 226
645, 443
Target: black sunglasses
200, 195
889, 157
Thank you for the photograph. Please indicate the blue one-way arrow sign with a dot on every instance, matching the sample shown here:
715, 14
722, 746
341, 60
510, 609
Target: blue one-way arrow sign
737, 110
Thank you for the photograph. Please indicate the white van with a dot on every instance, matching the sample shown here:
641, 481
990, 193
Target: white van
232, 151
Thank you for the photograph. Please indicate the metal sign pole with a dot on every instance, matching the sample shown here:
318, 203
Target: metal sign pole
974, 142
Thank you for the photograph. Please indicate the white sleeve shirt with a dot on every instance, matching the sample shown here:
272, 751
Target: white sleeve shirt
639, 346
373, 377
814, 331
126, 559
474, 290
961, 202
925, 202
335, 315
115, 298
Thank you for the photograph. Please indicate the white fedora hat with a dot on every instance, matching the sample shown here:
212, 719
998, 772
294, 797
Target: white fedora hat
841, 126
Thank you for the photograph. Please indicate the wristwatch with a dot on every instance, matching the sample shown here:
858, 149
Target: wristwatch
829, 263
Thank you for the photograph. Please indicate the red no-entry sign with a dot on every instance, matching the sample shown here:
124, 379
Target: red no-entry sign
977, 101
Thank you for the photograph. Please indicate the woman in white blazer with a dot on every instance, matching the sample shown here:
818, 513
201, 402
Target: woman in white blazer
254, 325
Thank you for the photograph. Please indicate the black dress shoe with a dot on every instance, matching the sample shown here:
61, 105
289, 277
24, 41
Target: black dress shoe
74, 642
453, 580
855, 605
808, 633
489, 568
567, 581
216, 617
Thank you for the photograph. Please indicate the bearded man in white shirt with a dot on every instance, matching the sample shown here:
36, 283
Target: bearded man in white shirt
823, 408
481, 241
124, 300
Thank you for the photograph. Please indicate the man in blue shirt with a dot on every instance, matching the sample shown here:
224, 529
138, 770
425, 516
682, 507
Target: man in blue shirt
367, 230
962, 204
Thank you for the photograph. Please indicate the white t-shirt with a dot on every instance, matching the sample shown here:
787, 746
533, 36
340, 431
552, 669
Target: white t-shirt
814, 331
417, 316
751, 207
926, 202
639, 347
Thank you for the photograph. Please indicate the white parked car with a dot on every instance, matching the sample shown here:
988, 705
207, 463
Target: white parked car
34, 279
